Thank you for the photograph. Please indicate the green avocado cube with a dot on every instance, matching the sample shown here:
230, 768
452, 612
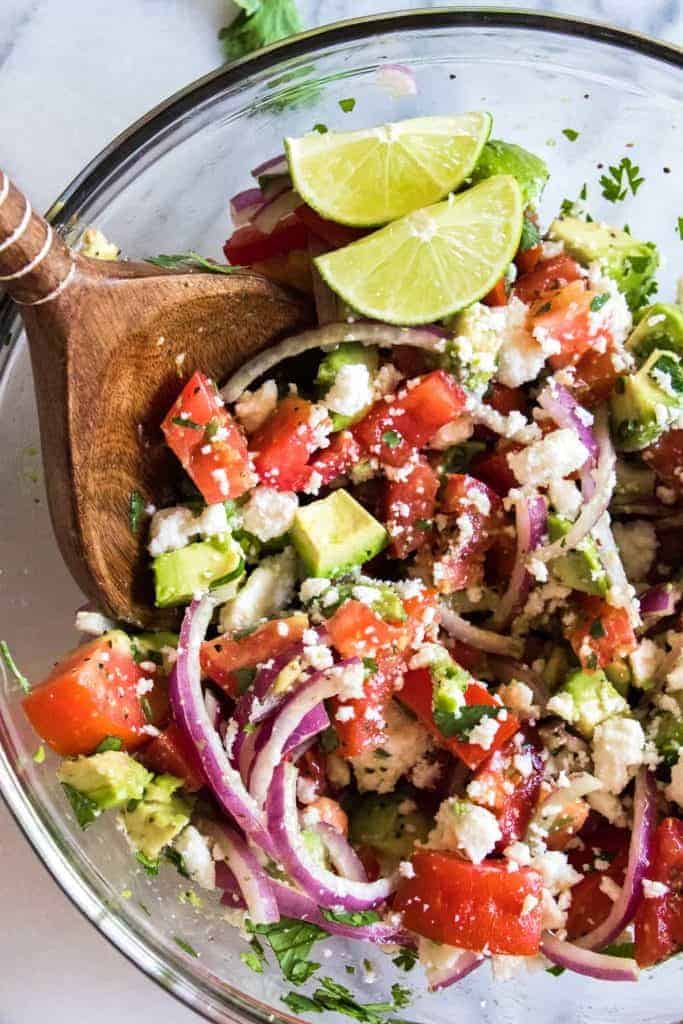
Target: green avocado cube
472, 354
336, 534
348, 353
109, 779
643, 405
594, 699
499, 157
158, 818
390, 824
580, 569
660, 327
196, 568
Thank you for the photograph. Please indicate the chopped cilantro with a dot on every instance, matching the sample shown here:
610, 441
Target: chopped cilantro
406, 959
596, 629
391, 438
175, 858
424, 524
622, 178
136, 506
259, 23
530, 237
321, 129
292, 941
570, 134
623, 949
146, 709
339, 999
598, 301
255, 958
400, 995
355, 918
370, 665
300, 1004
12, 667
180, 421
191, 897
556, 971
151, 866
459, 456
347, 105
185, 946
39, 755
461, 723
679, 228
109, 743
350, 969
180, 260
85, 809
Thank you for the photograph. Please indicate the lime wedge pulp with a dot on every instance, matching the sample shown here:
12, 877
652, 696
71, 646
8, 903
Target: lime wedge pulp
434, 261
369, 177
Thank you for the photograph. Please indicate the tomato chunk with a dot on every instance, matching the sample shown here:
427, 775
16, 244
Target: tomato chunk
283, 445
336, 235
248, 245
172, 753
590, 905
603, 633
473, 906
665, 456
529, 259
659, 921
341, 454
595, 375
493, 468
209, 444
476, 514
355, 630
548, 275
89, 695
362, 727
416, 693
221, 658
408, 504
508, 793
392, 429
498, 296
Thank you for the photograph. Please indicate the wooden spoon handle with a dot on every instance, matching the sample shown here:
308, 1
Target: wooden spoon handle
35, 264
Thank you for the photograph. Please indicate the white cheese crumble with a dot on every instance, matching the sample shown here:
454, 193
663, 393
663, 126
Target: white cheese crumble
312, 588
351, 391
618, 749
405, 742
652, 890
254, 407
674, 791
551, 458
269, 513
521, 356
174, 528
464, 826
197, 859
565, 498
268, 590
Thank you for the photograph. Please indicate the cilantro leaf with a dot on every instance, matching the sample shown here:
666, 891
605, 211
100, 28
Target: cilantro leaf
462, 723
400, 995
185, 946
151, 866
39, 756
571, 134
355, 918
292, 941
531, 236
622, 178
300, 1004
136, 506
406, 959
347, 105
181, 260
321, 129
12, 667
391, 438
174, 857
255, 958
184, 421
259, 23
598, 301
679, 228
109, 743
85, 809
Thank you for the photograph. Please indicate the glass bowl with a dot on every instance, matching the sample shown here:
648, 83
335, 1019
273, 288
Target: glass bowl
163, 187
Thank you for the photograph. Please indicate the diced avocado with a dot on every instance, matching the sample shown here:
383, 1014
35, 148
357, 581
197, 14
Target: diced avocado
349, 353
630, 263
634, 482
315, 847
669, 736
390, 824
498, 157
643, 405
660, 326
110, 779
594, 699
158, 818
156, 647
580, 569
207, 564
472, 354
386, 602
336, 534
268, 590
449, 682
619, 676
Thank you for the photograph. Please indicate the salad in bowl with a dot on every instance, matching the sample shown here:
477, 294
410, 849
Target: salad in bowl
426, 692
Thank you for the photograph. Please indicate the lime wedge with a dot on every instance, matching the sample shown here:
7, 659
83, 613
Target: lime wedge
373, 176
432, 262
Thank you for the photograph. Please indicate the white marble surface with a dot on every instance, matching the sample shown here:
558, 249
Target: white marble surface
72, 75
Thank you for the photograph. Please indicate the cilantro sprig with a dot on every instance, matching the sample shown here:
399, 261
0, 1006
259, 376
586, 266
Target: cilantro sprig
339, 999
259, 23
621, 179
181, 260
460, 724
292, 942
12, 667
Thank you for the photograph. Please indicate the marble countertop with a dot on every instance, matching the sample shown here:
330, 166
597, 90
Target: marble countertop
72, 75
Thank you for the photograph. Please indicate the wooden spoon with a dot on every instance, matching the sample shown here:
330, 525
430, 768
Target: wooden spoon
111, 345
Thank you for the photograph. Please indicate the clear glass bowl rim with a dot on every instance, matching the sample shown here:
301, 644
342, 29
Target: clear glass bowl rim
67, 205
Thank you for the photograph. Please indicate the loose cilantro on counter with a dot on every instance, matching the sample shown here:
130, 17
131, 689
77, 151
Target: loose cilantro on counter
622, 178
259, 23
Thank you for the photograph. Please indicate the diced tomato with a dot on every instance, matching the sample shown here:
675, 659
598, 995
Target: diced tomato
472, 906
355, 630
547, 276
659, 921
468, 657
476, 512
283, 445
528, 260
291, 268
493, 468
603, 633
368, 859
221, 658
506, 400
590, 905
594, 377
564, 317
341, 454
248, 245
408, 506
365, 730
510, 794
90, 694
209, 444
411, 418
171, 752
416, 693
336, 235
665, 456
498, 296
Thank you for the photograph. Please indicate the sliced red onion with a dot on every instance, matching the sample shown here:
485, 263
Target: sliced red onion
642, 833
583, 961
660, 601
621, 593
383, 335
343, 856
285, 728
254, 884
189, 711
444, 977
271, 213
481, 639
294, 903
398, 79
326, 888
604, 478
244, 205
567, 412
308, 728
213, 708
273, 187
530, 522
271, 168
225, 880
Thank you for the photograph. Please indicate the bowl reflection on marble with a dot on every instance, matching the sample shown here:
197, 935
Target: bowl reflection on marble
163, 187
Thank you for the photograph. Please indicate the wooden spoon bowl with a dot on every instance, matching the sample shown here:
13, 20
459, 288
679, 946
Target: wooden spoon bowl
111, 345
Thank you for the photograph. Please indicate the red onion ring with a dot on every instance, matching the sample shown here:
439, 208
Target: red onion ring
328, 889
294, 903
343, 856
567, 412
444, 977
252, 881
642, 832
474, 636
189, 711
225, 880
660, 601
244, 205
308, 728
583, 961
275, 210
272, 167
530, 521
